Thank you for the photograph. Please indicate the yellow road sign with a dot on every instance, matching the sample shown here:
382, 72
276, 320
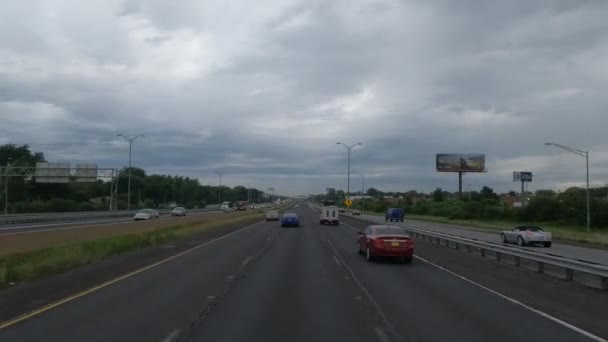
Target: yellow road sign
348, 202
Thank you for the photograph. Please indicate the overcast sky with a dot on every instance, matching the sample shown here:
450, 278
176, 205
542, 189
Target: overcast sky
264, 89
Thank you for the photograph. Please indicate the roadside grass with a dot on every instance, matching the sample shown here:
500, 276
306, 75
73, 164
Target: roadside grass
40, 263
560, 231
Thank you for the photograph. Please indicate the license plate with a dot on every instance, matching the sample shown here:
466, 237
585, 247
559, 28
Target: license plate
395, 243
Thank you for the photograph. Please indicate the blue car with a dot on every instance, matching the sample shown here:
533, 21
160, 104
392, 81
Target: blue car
290, 220
394, 214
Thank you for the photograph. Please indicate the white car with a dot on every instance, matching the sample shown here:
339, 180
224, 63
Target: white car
146, 214
527, 235
178, 211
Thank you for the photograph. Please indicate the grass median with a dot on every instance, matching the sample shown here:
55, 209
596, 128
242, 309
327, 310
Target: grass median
35, 264
560, 231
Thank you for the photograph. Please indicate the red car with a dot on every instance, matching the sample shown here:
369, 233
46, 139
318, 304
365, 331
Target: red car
386, 241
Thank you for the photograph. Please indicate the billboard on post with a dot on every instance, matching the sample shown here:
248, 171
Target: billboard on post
522, 176
447, 162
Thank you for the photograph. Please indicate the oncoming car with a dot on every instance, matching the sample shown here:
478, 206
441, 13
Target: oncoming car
290, 220
386, 241
527, 235
146, 214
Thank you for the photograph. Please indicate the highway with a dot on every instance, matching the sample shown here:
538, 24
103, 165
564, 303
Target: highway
25, 228
266, 283
589, 254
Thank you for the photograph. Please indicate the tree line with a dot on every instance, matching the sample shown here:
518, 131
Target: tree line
566, 207
154, 190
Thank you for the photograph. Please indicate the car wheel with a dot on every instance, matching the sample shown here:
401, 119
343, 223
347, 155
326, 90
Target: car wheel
407, 260
359, 249
520, 241
504, 238
548, 244
368, 255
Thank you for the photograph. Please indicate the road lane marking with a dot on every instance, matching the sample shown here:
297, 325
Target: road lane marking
516, 302
248, 260
337, 261
172, 336
363, 289
68, 299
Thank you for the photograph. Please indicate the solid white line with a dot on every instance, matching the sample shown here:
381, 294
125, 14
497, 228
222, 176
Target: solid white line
381, 335
516, 302
172, 336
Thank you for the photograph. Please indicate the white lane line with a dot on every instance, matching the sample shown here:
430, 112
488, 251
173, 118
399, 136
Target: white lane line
248, 260
337, 261
516, 302
172, 336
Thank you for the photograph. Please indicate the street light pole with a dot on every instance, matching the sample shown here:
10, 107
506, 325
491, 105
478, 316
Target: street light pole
130, 140
348, 148
584, 154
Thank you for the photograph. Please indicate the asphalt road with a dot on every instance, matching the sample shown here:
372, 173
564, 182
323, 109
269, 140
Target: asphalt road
46, 226
594, 255
266, 283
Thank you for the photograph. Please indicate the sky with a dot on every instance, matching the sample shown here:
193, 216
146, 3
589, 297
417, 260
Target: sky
263, 90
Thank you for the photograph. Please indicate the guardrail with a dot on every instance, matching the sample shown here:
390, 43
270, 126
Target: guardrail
569, 267
74, 216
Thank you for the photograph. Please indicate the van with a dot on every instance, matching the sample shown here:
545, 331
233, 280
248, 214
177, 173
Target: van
329, 215
394, 214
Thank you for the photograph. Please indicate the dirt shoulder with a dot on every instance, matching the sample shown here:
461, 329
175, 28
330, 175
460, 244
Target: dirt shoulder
25, 297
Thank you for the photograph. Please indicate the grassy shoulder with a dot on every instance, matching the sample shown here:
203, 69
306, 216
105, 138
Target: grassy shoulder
31, 265
560, 232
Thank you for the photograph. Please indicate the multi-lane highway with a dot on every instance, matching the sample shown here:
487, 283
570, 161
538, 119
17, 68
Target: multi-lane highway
266, 283
24, 228
594, 255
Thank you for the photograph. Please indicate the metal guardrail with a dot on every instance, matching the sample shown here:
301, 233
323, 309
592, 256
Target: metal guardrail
568, 265
74, 216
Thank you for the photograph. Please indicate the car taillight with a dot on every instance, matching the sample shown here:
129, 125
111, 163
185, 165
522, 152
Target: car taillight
377, 242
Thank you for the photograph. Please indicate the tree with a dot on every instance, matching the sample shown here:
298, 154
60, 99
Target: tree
547, 193
438, 195
488, 193
373, 192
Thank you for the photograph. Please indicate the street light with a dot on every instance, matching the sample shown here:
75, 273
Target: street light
219, 195
584, 154
130, 140
348, 148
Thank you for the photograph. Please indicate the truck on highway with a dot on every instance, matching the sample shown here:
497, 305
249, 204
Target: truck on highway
226, 206
240, 205
329, 213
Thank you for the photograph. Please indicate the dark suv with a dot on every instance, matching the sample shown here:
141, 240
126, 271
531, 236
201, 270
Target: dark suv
394, 214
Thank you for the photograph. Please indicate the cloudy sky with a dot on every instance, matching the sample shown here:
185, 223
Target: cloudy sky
264, 89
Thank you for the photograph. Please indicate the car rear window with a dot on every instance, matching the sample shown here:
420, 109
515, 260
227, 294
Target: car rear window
533, 229
290, 215
390, 231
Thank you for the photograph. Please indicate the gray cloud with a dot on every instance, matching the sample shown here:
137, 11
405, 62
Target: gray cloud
264, 91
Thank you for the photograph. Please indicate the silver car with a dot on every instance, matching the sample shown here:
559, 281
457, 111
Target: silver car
527, 235
178, 211
146, 214
272, 216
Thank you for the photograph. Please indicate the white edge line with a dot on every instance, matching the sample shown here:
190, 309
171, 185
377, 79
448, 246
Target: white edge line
512, 300
337, 261
516, 302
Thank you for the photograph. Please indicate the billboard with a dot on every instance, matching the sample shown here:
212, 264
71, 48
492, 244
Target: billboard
86, 173
461, 162
522, 176
52, 172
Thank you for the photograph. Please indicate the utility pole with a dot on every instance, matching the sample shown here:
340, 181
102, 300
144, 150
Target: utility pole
130, 140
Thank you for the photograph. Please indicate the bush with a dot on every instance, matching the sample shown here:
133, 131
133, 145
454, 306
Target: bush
61, 205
